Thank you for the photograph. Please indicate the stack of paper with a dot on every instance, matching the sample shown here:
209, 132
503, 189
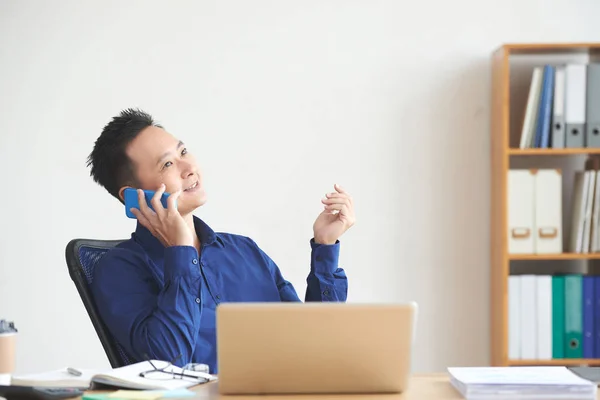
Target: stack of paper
521, 382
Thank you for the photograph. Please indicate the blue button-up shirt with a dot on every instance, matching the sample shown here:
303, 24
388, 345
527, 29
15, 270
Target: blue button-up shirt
160, 302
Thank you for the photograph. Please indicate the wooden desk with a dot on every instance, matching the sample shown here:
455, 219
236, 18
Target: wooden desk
421, 387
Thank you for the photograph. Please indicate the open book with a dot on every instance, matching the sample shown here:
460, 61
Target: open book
128, 377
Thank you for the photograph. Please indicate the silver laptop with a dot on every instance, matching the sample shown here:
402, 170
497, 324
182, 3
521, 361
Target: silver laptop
305, 348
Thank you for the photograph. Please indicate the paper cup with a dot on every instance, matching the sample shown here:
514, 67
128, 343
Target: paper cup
8, 343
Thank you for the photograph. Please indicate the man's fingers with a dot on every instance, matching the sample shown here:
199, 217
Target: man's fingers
339, 189
172, 199
144, 209
156, 204
340, 195
336, 200
336, 206
341, 209
140, 217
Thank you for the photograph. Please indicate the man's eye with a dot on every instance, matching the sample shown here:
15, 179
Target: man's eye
184, 152
167, 164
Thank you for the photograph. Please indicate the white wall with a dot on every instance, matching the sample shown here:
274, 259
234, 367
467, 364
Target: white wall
279, 100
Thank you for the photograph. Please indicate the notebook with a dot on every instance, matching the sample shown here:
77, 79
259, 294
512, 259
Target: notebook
127, 377
541, 382
55, 378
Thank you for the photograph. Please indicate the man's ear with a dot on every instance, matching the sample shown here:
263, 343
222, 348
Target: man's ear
121, 193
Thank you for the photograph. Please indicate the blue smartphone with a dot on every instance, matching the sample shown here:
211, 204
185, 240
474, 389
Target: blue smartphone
131, 200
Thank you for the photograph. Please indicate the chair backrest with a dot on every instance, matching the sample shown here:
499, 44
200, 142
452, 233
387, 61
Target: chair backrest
82, 258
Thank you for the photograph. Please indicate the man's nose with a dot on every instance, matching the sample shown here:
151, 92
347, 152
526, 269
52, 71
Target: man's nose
187, 169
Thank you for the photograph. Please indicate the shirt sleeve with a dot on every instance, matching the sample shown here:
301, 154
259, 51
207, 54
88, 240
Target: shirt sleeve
325, 281
146, 321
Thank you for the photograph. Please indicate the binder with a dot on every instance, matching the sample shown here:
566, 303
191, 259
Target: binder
543, 305
558, 316
595, 237
575, 99
590, 190
573, 316
548, 211
578, 206
520, 211
528, 321
593, 105
543, 127
596, 316
558, 110
533, 100
514, 317
588, 316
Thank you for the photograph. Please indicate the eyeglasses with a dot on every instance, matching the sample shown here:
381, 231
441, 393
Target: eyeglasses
164, 374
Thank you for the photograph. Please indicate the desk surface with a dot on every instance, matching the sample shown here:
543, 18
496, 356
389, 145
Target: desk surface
434, 386
421, 387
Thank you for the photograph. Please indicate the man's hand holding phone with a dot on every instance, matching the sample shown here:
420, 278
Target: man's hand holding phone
166, 224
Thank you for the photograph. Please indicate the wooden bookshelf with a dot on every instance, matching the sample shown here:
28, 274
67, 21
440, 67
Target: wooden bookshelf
503, 153
552, 152
562, 361
561, 256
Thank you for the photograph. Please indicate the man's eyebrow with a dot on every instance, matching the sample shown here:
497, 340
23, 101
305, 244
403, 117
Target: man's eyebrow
167, 153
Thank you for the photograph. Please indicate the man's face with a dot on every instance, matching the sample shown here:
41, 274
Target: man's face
158, 158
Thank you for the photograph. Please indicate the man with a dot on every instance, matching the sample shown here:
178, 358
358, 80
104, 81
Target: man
157, 291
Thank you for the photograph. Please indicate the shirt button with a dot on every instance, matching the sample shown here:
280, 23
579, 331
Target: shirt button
326, 292
198, 300
218, 297
194, 261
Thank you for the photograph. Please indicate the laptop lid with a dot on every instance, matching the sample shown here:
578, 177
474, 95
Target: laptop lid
278, 348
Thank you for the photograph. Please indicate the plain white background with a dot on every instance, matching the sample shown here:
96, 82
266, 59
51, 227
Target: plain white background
278, 100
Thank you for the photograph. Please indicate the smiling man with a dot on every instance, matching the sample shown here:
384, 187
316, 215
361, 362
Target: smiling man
157, 291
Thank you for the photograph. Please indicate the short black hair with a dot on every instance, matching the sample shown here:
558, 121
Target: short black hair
110, 165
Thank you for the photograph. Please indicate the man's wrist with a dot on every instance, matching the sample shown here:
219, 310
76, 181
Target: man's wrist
324, 241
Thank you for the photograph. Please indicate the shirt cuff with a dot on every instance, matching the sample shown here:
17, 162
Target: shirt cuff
181, 261
324, 257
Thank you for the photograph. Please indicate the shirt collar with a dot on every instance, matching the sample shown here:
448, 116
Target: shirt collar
154, 247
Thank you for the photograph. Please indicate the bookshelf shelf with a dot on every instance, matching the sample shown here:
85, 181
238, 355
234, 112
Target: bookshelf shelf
562, 256
553, 152
562, 361
513, 68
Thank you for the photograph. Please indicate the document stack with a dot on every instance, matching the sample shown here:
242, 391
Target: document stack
563, 107
544, 383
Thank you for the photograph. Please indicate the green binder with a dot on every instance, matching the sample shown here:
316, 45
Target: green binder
573, 316
558, 316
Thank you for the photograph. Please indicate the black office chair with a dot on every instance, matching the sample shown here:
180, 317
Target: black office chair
82, 257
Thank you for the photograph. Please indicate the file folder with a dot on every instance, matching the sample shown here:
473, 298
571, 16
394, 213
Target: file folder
548, 211
593, 105
558, 317
575, 98
573, 316
543, 127
528, 321
543, 311
514, 317
521, 187
558, 111
531, 112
